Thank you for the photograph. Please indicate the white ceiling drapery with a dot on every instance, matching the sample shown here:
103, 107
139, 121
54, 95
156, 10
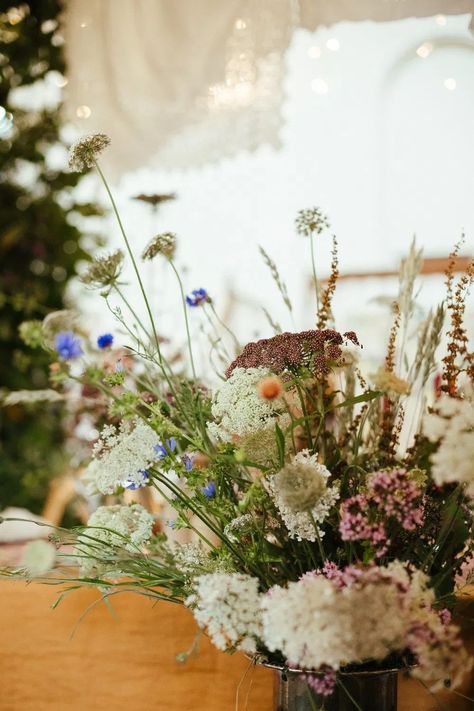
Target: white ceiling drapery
178, 83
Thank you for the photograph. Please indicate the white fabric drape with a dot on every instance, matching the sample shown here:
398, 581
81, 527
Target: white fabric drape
178, 83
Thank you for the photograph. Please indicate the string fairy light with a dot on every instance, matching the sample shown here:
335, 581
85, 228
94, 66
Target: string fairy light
450, 83
83, 112
424, 50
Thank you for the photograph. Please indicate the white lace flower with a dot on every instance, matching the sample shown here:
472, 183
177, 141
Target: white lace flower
38, 557
363, 614
110, 529
452, 424
227, 606
302, 495
313, 623
239, 410
121, 456
439, 651
17, 397
189, 557
238, 526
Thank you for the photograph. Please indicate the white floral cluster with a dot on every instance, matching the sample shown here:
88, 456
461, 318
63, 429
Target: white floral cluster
17, 397
121, 456
227, 606
452, 424
363, 615
302, 495
313, 623
189, 557
110, 528
439, 650
235, 528
241, 414
38, 557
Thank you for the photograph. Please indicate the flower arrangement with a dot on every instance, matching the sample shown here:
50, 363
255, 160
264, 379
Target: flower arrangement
329, 532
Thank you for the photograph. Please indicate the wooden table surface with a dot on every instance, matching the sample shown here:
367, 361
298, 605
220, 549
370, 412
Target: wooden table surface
127, 661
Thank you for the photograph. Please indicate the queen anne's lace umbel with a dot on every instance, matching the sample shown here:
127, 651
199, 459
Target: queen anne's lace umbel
110, 529
227, 606
302, 495
238, 408
452, 424
121, 456
335, 617
314, 624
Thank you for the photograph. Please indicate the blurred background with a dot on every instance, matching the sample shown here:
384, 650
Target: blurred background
226, 118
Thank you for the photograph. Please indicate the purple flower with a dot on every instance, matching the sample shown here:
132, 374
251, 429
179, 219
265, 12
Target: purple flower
138, 485
105, 341
197, 297
67, 345
162, 450
187, 461
324, 682
392, 497
209, 490
171, 523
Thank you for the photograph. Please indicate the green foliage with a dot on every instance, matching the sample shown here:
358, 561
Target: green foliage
39, 248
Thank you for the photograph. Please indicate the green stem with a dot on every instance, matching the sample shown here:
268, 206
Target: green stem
186, 321
346, 691
315, 278
134, 263
131, 309
193, 528
307, 421
318, 537
224, 355
311, 699
224, 326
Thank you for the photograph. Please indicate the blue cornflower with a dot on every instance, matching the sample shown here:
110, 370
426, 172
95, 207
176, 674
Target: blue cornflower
138, 485
67, 345
162, 451
187, 461
171, 523
209, 490
197, 297
105, 341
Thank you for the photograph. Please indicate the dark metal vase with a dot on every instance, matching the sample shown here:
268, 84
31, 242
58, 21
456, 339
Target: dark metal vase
356, 691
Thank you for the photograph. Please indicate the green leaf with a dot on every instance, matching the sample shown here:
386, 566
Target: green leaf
280, 438
365, 397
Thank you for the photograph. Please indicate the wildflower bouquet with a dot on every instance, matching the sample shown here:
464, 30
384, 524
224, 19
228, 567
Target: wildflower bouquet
329, 533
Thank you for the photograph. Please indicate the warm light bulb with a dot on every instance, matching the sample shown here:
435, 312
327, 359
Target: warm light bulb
441, 20
450, 83
83, 112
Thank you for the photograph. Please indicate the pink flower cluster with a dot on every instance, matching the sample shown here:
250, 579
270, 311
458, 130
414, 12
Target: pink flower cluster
323, 682
439, 651
390, 497
371, 573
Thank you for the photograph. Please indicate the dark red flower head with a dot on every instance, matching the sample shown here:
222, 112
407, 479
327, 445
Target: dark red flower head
317, 350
